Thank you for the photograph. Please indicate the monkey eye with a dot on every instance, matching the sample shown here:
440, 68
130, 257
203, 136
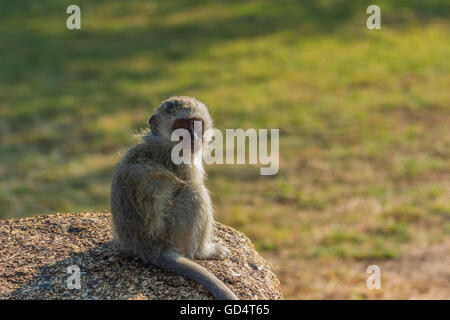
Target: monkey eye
182, 123
187, 124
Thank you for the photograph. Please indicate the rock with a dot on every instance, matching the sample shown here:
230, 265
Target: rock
36, 252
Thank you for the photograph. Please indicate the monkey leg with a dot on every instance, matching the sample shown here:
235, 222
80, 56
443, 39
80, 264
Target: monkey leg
208, 249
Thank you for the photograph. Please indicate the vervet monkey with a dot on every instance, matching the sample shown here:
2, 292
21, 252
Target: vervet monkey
161, 211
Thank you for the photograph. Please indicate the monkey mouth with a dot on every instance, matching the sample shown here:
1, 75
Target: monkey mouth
195, 145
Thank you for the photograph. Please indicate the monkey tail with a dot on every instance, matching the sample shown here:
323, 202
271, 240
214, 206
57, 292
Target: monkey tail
178, 264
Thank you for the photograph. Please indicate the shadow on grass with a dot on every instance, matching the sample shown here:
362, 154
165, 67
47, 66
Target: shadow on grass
55, 84
43, 65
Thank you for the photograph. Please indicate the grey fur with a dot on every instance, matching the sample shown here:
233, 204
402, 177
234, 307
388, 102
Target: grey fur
162, 212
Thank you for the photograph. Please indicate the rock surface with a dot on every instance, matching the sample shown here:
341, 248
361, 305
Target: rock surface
36, 252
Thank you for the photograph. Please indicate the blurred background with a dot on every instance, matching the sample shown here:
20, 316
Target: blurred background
363, 116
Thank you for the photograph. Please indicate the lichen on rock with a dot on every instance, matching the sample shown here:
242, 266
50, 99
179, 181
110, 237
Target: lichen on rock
36, 252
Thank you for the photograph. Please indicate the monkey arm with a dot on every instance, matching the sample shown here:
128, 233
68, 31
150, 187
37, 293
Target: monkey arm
153, 188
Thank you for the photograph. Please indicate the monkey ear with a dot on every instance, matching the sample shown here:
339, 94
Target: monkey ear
153, 122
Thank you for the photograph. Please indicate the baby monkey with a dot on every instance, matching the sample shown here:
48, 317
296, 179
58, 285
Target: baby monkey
161, 211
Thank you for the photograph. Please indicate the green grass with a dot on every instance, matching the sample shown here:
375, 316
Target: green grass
363, 115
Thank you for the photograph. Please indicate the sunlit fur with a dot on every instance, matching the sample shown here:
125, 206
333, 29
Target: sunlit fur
162, 212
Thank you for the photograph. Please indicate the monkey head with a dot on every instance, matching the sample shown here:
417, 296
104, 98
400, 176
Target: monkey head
181, 113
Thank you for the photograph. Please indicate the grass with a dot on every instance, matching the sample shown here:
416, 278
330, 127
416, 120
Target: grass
363, 117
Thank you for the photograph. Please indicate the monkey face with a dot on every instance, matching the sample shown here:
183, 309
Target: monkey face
196, 128
182, 113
